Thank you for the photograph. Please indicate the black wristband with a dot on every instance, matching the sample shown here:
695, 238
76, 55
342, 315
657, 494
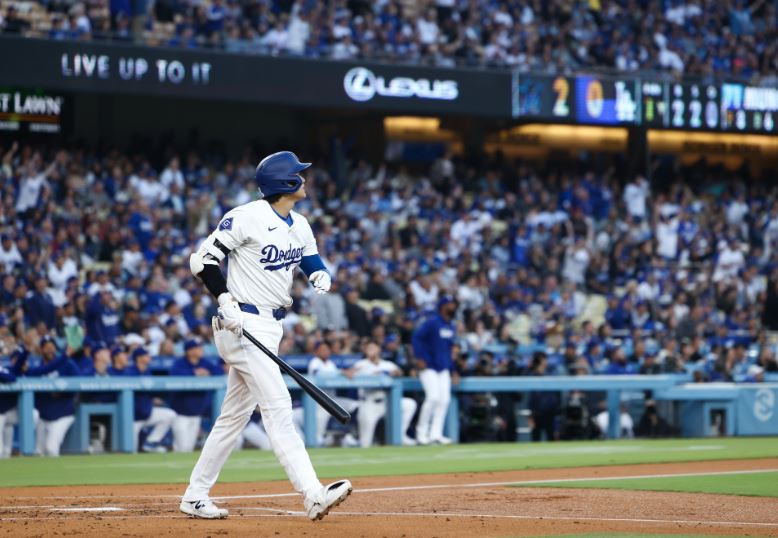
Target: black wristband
214, 280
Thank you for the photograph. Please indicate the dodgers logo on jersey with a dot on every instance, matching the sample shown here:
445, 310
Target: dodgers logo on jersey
226, 224
446, 333
281, 259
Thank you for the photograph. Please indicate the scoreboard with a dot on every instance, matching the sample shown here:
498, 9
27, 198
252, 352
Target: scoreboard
602, 100
748, 108
605, 101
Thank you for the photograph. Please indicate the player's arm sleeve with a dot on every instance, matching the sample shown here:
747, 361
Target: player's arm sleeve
73, 370
204, 263
216, 368
6, 376
180, 367
311, 264
419, 340
46, 368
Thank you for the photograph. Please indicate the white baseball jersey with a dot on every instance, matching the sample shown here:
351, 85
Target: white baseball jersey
316, 366
264, 250
368, 367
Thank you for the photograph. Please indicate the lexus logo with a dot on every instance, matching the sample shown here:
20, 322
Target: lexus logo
361, 84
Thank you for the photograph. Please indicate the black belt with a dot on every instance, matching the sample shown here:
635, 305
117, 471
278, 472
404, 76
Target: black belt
278, 313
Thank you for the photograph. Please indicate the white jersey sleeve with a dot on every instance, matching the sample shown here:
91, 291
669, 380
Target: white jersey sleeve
231, 231
228, 235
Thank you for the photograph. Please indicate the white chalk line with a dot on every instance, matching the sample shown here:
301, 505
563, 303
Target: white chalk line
509, 483
424, 487
89, 509
451, 514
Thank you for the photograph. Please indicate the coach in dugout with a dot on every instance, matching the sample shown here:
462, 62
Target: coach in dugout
57, 409
147, 415
432, 343
9, 417
191, 405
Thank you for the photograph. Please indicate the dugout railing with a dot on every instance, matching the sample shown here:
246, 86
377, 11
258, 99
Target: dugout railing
752, 408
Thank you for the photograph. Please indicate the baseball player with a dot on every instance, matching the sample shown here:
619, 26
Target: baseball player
255, 434
190, 406
57, 409
264, 242
432, 342
9, 417
160, 419
321, 365
373, 405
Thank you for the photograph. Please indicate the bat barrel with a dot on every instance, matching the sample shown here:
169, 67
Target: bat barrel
322, 398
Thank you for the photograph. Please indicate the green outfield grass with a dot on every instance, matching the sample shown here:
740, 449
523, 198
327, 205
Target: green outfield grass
254, 465
752, 484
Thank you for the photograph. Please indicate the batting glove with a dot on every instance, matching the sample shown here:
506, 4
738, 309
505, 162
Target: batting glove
321, 281
230, 313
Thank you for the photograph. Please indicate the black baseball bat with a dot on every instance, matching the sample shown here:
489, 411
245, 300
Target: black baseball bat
329, 405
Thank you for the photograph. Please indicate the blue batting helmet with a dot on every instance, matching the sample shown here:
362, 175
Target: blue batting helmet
279, 173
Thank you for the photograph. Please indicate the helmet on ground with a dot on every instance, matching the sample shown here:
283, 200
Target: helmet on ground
279, 173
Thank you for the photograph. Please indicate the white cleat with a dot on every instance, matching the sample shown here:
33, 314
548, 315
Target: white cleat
409, 441
442, 441
204, 509
329, 497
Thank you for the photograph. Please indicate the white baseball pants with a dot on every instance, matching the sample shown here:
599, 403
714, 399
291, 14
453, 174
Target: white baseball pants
253, 379
437, 395
50, 434
185, 432
371, 411
8, 420
160, 421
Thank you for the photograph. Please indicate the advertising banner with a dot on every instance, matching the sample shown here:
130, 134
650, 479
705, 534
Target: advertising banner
216, 75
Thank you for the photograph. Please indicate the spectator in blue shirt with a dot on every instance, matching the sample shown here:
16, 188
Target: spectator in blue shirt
57, 410
38, 306
432, 343
102, 318
100, 367
618, 363
148, 415
191, 405
119, 360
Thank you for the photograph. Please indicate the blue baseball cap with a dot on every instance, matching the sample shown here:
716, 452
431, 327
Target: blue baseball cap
444, 300
98, 346
46, 339
190, 344
139, 352
115, 350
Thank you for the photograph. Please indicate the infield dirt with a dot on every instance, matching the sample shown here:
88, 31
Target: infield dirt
459, 505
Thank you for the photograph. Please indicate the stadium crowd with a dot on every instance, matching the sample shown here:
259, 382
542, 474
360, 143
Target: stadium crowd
704, 37
595, 274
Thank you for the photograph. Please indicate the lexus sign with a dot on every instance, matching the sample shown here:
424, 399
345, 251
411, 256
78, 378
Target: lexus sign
361, 84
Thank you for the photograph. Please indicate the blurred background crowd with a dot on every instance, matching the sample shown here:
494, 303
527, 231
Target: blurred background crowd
601, 273
699, 37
